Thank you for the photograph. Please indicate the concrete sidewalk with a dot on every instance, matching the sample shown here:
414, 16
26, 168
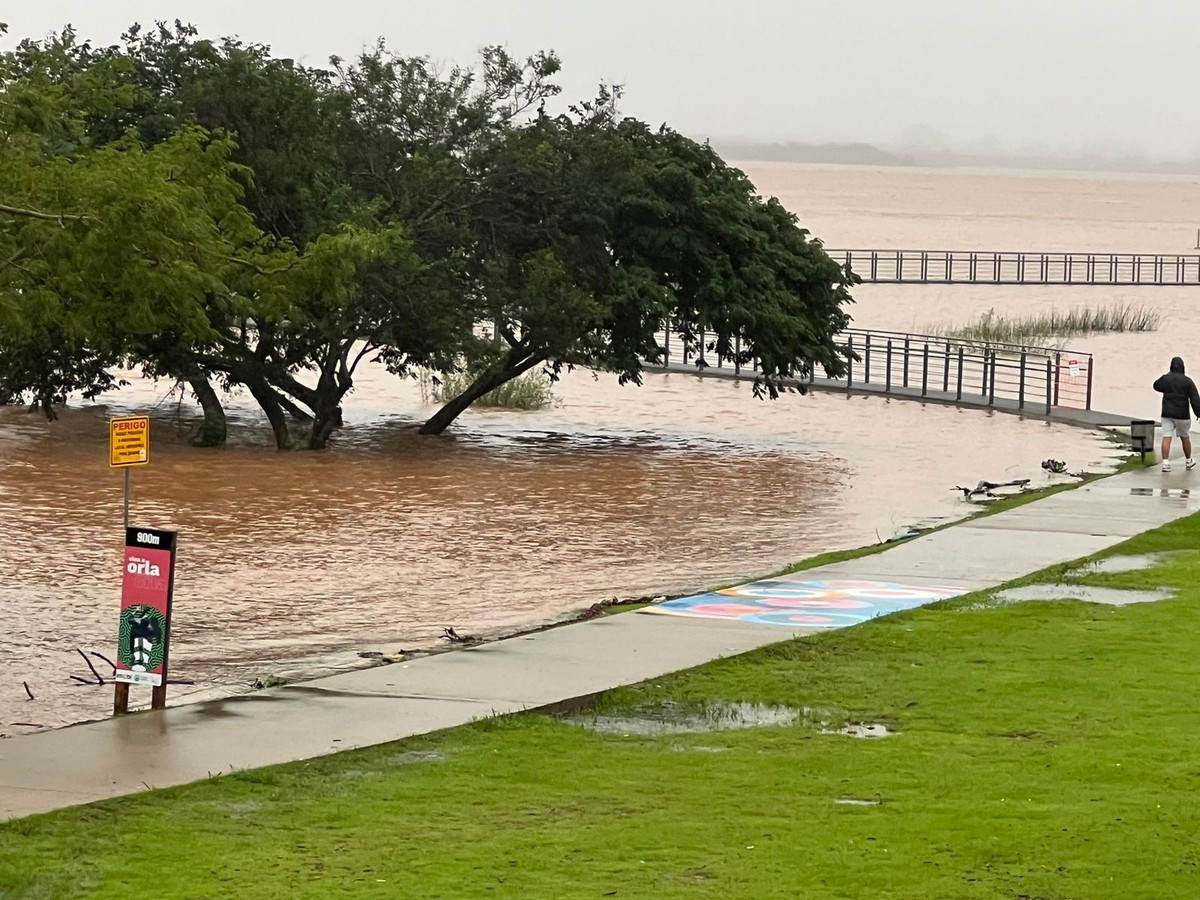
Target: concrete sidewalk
49, 770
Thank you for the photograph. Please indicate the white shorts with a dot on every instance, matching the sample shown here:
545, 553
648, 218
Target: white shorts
1176, 427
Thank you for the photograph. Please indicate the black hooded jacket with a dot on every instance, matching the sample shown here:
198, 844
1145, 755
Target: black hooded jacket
1178, 392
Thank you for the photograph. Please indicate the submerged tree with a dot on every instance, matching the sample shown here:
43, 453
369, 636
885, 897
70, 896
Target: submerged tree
127, 150
223, 218
594, 233
367, 170
101, 245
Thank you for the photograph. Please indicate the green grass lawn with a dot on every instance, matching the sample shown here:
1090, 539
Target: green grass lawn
1046, 750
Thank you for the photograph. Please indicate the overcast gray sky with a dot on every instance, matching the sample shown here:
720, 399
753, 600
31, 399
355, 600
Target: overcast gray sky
1064, 75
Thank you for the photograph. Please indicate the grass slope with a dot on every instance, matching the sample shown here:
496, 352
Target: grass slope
1047, 750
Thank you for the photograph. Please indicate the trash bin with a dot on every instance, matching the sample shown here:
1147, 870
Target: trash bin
1141, 433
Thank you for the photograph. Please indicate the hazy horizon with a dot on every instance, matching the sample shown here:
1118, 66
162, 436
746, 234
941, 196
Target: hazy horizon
1022, 79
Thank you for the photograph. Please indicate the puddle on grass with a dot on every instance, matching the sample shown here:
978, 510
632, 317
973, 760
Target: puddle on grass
1107, 596
675, 719
856, 801
864, 730
1115, 565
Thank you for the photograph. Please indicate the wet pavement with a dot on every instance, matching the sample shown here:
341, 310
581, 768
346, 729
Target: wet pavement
53, 769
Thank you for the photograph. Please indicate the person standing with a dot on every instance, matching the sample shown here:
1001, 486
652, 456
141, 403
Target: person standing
1179, 393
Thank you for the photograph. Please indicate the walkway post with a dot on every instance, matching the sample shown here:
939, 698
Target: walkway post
946, 371
1049, 375
867, 360
1021, 384
1091, 360
887, 387
850, 362
906, 339
925, 371
958, 391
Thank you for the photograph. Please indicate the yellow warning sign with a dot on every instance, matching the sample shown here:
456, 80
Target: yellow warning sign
129, 441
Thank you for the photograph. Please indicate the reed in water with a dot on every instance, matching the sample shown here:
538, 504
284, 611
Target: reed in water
528, 391
1044, 329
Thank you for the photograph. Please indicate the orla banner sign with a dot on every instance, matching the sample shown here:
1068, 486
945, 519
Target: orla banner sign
147, 584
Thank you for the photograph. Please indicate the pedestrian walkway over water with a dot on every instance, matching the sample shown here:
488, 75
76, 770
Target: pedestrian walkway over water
1019, 267
1051, 382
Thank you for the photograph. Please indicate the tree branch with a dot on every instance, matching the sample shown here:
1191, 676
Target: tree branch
367, 348
12, 260
60, 218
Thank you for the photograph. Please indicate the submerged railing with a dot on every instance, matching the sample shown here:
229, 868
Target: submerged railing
975, 373
979, 372
995, 267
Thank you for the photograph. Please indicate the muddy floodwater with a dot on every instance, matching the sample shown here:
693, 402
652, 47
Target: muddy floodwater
863, 207
291, 564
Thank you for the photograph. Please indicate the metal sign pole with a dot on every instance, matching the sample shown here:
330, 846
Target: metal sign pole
128, 492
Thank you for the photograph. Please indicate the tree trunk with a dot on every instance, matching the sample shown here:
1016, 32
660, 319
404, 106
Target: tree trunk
214, 430
327, 415
323, 426
269, 401
292, 409
289, 384
327, 406
488, 381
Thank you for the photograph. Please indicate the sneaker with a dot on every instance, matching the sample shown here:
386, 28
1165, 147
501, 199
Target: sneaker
1166, 467
1191, 464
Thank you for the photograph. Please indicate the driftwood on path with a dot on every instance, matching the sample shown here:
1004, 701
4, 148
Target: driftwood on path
986, 489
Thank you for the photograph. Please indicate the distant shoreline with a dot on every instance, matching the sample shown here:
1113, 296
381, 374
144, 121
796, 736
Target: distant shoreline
856, 154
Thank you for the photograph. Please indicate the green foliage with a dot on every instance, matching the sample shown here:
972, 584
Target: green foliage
210, 212
102, 245
594, 231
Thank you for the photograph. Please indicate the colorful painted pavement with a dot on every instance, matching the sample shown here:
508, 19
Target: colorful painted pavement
827, 603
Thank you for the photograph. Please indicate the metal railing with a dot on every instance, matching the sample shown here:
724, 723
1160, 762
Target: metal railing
993, 267
976, 373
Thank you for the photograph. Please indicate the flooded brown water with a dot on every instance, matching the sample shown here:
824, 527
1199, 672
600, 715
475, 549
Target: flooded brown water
930, 209
292, 563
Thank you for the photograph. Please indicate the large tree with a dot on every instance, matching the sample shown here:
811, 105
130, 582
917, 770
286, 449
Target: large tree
283, 223
101, 245
372, 161
594, 232
279, 302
